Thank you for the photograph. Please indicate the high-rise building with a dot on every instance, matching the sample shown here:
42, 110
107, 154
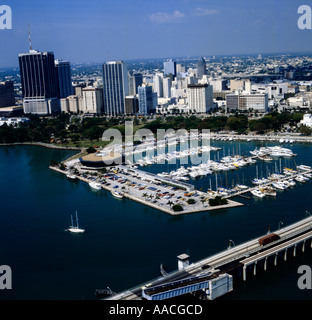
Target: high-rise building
201, 68
135, 80
115, 87
132, 104
39, 82
158, 84
63, 74
7, 97
146, 103
167, 87
200, 97
170, 67
92, 100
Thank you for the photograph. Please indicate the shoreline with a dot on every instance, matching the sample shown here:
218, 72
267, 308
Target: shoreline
41, 144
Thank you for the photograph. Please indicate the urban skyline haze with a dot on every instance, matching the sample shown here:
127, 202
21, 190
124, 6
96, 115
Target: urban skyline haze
98, 31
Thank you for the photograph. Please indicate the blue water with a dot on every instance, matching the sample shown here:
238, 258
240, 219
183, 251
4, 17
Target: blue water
126, 242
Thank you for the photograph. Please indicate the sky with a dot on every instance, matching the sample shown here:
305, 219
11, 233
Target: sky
101, 30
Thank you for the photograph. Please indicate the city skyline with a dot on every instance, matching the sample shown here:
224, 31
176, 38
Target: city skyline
82, 33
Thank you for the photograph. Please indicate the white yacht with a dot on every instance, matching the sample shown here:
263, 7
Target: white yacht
71, 176
257, 193
75, 229
95, 185
117, 194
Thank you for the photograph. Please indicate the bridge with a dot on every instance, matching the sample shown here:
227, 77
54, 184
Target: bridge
211, 277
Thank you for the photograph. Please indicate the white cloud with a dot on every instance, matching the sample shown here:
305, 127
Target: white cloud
164, 17
205, 12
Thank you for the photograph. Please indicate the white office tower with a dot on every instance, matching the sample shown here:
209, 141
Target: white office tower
158, 84
92, 100
167, 87
115, 87
200, 97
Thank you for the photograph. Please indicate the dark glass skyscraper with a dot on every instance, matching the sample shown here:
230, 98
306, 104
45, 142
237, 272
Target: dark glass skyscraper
115, 87
146, 104
7, 97
64, 81
39, 82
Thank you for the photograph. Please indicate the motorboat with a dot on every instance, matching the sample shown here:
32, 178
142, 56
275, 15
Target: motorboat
95, 185
257, 193
117, 194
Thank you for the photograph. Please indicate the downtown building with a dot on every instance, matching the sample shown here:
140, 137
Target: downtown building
115, 87
147, 100
7, 96
245, 102
200, 97
64, 79
39, 82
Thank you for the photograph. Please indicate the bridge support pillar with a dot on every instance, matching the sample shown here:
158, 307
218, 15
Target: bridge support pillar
265, 263
303, 245
255, 268
244, 272
275, 259
285, 255
295, 246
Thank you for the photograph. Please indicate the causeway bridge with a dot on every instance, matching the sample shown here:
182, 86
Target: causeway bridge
212, 277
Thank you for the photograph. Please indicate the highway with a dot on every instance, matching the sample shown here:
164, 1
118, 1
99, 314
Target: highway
245, 253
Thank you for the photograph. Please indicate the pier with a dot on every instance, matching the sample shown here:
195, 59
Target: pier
212, 277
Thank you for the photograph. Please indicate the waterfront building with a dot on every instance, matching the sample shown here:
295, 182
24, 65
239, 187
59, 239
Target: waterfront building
245, 102
7, 97
39, 82
92, 100
115, 87
200, 97
170, 67
63, 74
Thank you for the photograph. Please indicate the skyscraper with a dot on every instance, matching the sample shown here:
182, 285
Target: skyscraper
200, 97
146, 102
115, 87
63, 74
158, 84
7, 97
201, 68
170, 67
39, 82
135, 80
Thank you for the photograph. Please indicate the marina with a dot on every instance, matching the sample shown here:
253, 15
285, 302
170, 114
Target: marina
174, 192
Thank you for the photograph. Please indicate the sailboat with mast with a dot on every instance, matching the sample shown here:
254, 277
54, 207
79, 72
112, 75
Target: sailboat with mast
76, 228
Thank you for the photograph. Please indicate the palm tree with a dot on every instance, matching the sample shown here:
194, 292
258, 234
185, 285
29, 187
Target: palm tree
170, 203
